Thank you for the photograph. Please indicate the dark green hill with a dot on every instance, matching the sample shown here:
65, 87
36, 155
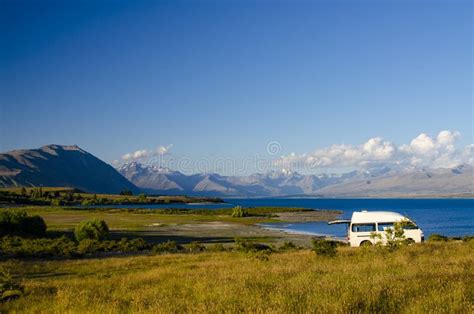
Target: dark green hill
62, 166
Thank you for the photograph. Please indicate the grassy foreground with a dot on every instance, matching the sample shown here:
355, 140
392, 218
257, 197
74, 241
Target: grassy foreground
433, 277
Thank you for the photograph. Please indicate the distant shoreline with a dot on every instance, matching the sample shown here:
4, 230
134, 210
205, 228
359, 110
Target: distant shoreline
394, 196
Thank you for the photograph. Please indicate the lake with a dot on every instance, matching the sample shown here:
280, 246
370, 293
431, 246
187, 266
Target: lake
450, 217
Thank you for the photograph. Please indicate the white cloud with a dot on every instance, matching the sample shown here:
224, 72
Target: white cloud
144, 153
139, 154
422, 151
422, 144
162, 150
377, 148
447, 137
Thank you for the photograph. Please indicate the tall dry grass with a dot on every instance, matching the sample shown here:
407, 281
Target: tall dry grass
436, 277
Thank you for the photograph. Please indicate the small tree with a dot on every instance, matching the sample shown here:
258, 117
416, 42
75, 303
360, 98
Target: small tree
238, 212
437, 238
34, 225
69, 196
126, 192
93, 229
23, 192
395, 236
9, 288
18, 222
142, 198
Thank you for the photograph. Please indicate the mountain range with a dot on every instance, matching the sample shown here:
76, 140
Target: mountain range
377, 182
56, 165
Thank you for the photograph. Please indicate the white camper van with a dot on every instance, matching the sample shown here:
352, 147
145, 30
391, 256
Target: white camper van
363, 224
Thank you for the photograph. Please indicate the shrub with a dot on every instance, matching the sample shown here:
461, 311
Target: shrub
288, 246
195, 247
263, 256
13, 246
250, 246
126, 192
89, 246
167, 247
56, 202
87, 202
9, 288
34, 225
395, 237
437, 238
17, 222
218, 247
134, 245
325, 247
468, 238
93, 229
142, 197
238, 212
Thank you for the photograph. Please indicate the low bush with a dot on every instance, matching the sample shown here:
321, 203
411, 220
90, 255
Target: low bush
323, 247
17, 222
132, 245
437, 238
93, 230
288, 246
218, 247
9, 288
195, 247
14, 246
63, 247
468, 238
263, 256
88, 246
56, 202
167, 247
250, 246
239, 212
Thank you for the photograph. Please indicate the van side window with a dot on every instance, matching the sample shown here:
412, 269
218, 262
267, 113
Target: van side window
385, 225
363, 227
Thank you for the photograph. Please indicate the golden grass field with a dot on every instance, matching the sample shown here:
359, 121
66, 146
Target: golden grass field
426, 278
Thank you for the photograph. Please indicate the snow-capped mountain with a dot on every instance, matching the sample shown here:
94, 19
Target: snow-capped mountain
381, 181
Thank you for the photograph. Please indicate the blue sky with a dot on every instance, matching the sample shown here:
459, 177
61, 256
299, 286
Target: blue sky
223, 79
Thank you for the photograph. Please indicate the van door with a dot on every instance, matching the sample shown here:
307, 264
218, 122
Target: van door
361, 232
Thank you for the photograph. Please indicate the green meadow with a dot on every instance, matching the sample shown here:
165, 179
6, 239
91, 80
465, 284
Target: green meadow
218, 262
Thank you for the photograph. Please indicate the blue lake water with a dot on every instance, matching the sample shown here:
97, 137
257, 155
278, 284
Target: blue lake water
450, 217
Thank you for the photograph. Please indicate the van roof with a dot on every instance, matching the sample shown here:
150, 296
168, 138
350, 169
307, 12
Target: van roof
379, 216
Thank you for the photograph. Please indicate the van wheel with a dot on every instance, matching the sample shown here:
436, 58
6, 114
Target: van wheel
365, 244
409, 241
